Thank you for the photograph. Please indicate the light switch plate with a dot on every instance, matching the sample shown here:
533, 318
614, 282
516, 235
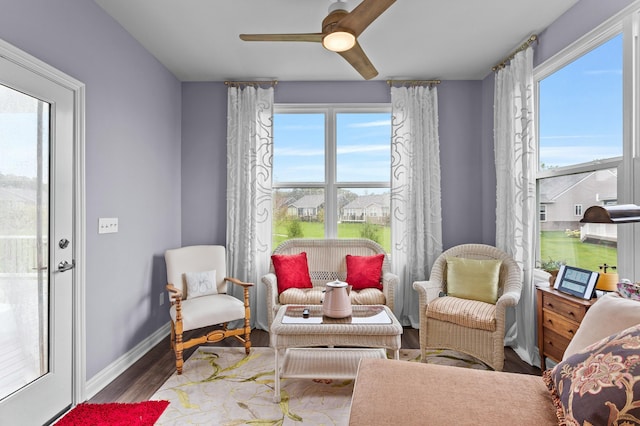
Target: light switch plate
107, 225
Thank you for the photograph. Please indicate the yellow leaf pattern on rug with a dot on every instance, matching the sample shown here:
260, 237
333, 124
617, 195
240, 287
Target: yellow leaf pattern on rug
224, 386
184, 400
284, 406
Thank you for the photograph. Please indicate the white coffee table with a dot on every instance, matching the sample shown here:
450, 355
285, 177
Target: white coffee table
309, 344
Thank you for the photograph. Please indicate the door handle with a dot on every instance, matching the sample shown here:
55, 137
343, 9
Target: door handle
65, 266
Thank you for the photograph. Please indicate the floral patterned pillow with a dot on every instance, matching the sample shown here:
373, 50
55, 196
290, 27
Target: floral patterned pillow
599, 385
629, 290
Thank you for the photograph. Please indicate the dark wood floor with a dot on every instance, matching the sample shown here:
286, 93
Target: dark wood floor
144, 378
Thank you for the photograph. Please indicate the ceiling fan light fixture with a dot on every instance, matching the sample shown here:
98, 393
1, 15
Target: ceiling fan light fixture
339, 41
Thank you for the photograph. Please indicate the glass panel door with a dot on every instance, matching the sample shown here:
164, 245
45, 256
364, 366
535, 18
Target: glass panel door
36, 245
24, 247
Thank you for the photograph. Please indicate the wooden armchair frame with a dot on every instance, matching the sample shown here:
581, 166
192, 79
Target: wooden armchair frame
242, 334
177, 297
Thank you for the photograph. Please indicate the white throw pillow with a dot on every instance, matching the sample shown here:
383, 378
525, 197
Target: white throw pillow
201, 283
610, 314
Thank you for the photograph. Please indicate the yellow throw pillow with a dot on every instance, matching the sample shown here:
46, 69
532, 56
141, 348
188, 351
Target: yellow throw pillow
473, 279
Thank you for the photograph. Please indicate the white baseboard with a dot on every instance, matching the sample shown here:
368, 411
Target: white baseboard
108, 374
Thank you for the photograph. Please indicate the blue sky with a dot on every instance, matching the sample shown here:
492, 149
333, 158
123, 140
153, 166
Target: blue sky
581, 108
18, 133
363, 151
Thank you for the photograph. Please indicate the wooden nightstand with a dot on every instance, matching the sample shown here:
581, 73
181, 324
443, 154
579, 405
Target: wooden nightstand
559, 316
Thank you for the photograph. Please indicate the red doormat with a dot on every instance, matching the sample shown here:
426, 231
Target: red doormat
114, 414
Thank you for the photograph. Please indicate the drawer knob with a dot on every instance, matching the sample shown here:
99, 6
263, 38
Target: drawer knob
571, 313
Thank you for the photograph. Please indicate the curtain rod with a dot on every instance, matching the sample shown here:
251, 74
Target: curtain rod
413, 82
503, 63
251, 83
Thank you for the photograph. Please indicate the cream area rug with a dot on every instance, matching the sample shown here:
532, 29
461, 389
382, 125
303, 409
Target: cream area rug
223, 386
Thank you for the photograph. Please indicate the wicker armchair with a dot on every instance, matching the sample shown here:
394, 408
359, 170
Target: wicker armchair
326, 261
473, 327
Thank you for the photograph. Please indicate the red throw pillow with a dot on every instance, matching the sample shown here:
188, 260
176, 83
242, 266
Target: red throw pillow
291, 270
364, 271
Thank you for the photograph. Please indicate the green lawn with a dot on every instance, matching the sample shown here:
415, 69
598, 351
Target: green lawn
554, 244
345, 230
558, 246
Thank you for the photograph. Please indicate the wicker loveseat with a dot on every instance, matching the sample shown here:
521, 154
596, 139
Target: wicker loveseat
326, 259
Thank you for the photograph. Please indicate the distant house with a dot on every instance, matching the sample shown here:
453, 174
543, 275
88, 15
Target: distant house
367, 208
307, 207
564, 199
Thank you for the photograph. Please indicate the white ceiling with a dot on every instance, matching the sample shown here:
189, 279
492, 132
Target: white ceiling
197, 40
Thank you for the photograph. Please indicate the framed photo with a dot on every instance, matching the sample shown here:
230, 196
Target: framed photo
576, 281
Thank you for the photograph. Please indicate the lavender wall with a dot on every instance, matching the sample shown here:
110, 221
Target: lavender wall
573, 24
204, 151
204, 163
133, 154
459, 104
488, 213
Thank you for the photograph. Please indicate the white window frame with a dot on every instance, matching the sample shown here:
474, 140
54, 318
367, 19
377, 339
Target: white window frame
330, 185
577, 210
627, 22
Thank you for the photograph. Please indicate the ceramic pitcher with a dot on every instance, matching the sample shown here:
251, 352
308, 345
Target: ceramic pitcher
337, 303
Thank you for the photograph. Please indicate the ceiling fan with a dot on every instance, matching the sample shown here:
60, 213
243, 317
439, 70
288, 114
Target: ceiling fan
340, 30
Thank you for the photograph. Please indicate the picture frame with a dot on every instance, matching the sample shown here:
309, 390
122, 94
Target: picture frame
576, 281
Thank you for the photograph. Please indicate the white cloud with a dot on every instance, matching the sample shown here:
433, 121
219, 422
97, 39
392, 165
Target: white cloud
588, 136
351, 149
298, 152
568, 155
300, 127
603, 72
376, 123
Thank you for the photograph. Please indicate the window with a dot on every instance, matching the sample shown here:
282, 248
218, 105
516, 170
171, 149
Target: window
580, 143
331, 172
543, 213
577, 210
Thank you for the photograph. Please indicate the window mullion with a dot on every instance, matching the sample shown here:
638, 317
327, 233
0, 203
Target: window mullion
331, 203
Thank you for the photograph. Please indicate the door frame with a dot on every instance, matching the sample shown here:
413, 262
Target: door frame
17, 56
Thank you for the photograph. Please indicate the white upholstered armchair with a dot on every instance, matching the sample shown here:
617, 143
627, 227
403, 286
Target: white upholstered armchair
197, 286
470, 326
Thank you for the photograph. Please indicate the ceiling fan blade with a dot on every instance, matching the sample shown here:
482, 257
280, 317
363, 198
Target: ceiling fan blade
358, 59
313, 37
364, 14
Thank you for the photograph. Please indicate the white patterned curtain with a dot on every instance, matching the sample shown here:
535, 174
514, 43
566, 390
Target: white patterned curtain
516, 161
249, 211
416, 219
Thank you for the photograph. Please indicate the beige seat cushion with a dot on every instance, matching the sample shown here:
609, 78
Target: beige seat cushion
390, 392
208, 310
314, 296
464, 312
